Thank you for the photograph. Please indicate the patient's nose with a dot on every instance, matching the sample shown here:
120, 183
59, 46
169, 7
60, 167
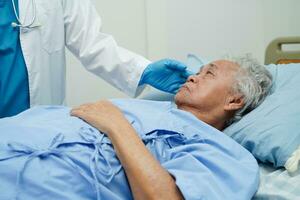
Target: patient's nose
191, 78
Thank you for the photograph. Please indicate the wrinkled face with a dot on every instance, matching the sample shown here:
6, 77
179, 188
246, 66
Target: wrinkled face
209, 88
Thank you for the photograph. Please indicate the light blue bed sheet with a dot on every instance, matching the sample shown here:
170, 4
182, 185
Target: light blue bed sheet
277, 184
46, 154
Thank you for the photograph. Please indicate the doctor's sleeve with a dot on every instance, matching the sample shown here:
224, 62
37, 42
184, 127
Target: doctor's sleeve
99, 52
203, 171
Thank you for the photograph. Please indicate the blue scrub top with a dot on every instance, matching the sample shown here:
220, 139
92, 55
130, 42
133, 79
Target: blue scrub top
14, 87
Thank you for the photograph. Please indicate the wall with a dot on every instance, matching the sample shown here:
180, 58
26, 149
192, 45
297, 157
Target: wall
213, 28
281, 18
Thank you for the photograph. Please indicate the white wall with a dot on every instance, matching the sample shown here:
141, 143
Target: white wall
173, 28
156, 20
281, 18
213, 28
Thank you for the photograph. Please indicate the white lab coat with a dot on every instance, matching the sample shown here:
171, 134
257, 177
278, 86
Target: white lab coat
76, 25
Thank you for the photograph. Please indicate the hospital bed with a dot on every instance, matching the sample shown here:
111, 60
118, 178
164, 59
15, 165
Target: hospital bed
275, 183
278, 183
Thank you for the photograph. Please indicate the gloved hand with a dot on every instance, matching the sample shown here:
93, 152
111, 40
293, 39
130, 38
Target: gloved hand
166, 75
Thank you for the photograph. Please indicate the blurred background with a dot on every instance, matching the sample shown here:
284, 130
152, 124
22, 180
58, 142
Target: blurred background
160, 29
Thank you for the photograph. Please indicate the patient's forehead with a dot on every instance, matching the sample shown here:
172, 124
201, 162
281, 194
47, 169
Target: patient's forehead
223, 66
226, 65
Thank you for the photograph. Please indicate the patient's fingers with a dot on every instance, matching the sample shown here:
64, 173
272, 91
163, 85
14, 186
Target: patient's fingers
83, 107
103, 107
77, 112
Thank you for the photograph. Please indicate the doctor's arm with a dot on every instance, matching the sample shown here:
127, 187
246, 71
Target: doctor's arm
99, 52
101, 55
147, 178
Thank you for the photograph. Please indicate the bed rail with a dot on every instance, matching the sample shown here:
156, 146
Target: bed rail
277, 55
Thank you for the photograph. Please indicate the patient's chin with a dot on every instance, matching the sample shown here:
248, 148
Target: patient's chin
178, 97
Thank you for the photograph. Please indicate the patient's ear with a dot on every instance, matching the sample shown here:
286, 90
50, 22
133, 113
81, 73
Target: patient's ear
234, 102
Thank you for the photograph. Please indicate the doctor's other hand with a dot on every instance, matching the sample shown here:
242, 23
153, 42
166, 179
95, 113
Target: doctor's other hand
102, 115
166, 75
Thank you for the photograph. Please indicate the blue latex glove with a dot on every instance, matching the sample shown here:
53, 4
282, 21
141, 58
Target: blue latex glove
166, 75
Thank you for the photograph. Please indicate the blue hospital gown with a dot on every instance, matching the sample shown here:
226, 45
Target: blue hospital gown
47, 154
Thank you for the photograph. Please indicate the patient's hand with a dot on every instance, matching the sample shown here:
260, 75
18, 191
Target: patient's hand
142, 169
103, 115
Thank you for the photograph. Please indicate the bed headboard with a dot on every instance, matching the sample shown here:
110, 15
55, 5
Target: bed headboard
277, 55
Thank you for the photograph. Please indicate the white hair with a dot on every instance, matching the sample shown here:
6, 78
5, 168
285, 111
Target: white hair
253, 81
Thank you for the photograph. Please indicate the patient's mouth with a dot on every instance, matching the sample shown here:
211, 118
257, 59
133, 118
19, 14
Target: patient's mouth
185, 87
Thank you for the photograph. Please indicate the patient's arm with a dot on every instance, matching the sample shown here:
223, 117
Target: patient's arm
147, 178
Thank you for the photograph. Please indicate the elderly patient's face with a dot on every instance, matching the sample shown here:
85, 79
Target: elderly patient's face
209, 88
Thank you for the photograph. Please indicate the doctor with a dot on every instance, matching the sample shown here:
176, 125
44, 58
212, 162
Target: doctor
33, 36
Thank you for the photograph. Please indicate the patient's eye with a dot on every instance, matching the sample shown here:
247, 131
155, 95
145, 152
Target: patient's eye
209, 72
199, 72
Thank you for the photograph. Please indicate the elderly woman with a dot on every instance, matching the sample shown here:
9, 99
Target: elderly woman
139, 149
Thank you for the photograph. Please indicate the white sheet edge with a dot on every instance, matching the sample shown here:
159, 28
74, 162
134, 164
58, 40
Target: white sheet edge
291, 164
